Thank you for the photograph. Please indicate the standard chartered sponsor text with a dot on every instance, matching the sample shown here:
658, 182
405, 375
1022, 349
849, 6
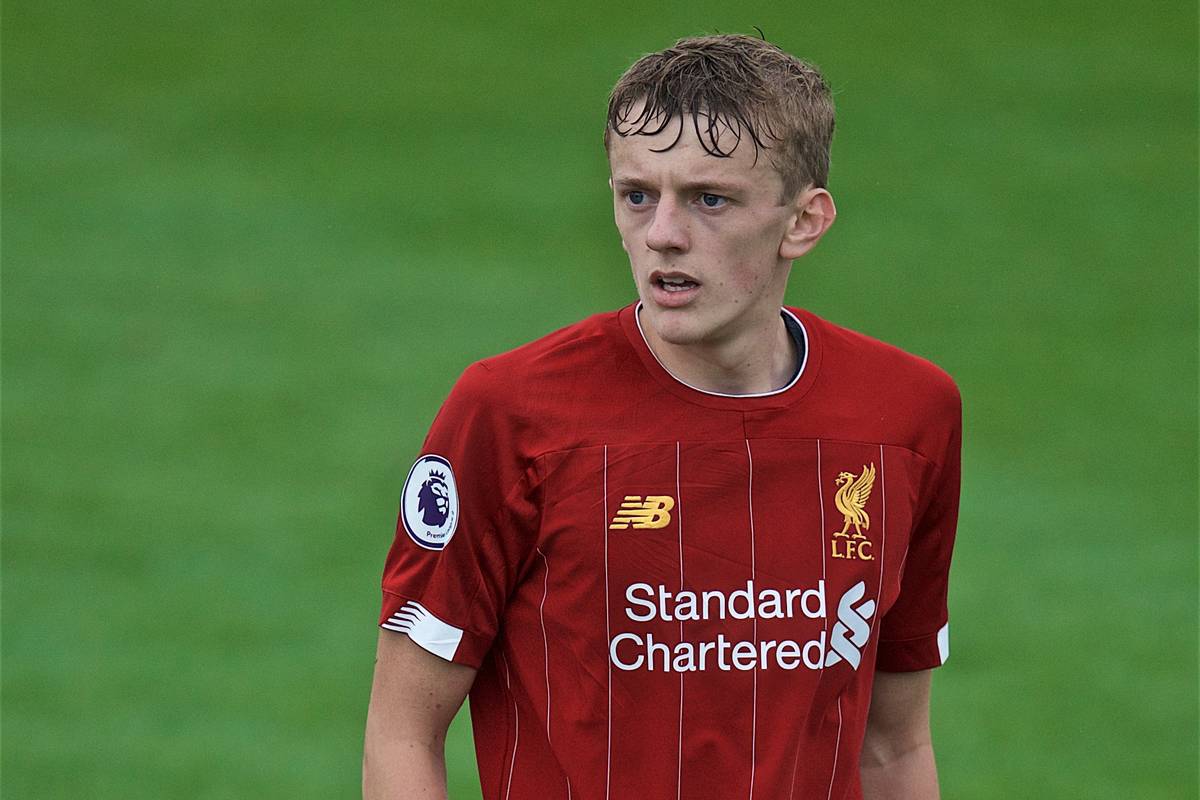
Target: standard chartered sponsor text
646, 603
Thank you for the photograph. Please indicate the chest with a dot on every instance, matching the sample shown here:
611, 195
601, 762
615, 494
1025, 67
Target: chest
714, 535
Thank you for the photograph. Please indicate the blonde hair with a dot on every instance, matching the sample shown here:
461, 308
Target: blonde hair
732, 85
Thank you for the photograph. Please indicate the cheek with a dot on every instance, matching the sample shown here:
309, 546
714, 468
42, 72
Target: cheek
747, 279
750, 262
626, 230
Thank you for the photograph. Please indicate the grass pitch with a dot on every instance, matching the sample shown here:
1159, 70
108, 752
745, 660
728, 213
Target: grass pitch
248, 247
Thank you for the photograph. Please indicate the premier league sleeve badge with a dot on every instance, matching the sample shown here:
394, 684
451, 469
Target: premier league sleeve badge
429, 503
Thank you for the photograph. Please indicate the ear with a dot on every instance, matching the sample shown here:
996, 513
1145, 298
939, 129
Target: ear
813, 213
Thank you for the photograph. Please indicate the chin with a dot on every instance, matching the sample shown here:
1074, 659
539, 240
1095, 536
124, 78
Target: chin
678, 327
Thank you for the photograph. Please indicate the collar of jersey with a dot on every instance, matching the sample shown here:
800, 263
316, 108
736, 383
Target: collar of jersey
798, 386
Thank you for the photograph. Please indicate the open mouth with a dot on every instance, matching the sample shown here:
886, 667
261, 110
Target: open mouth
673, 282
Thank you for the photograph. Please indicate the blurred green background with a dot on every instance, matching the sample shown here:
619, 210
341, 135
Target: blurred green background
247, 248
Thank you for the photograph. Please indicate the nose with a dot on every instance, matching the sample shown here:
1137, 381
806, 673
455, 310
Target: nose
668, 230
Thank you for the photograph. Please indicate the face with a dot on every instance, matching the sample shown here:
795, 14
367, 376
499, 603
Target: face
703, 234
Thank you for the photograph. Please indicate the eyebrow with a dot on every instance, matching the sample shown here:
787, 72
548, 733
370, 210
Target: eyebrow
713, 186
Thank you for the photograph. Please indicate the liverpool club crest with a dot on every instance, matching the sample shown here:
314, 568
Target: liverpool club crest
851, 499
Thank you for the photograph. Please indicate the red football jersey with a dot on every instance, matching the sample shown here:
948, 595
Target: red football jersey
671, 593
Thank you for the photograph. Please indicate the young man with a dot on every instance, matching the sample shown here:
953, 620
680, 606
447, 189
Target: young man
697, 547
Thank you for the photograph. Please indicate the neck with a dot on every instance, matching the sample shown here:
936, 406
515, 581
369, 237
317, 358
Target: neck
759, 360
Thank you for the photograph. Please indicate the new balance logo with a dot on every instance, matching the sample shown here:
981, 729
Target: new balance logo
653, 512
852, 629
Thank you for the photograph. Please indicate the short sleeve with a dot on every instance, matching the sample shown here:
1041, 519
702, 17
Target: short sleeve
467, 523
915, 633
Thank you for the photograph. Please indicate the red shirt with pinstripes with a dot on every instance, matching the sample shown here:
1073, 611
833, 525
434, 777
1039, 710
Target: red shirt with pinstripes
671, 593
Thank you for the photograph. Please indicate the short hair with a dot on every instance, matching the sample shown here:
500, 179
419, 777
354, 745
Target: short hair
742, 84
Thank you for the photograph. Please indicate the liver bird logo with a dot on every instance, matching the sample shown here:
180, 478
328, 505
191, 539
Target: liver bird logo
851, 500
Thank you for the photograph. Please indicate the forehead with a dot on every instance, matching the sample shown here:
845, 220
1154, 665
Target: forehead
681, 151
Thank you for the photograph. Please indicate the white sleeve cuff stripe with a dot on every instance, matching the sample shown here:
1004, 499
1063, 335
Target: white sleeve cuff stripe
426, 630
943, 641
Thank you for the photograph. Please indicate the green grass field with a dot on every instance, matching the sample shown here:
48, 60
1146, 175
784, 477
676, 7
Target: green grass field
247, 248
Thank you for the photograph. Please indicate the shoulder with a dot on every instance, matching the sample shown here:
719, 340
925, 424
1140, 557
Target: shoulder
529, 389
576, 347
554, 360
888, 393
864, 361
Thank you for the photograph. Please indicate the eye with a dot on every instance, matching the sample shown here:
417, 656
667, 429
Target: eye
712, 200
636, 198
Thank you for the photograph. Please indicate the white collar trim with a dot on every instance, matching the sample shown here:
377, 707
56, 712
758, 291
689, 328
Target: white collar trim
637, 317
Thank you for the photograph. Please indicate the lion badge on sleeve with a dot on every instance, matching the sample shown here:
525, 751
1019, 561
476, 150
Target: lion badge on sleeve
429, 503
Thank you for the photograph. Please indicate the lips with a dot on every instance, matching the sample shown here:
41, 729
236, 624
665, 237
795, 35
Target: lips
673, 289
